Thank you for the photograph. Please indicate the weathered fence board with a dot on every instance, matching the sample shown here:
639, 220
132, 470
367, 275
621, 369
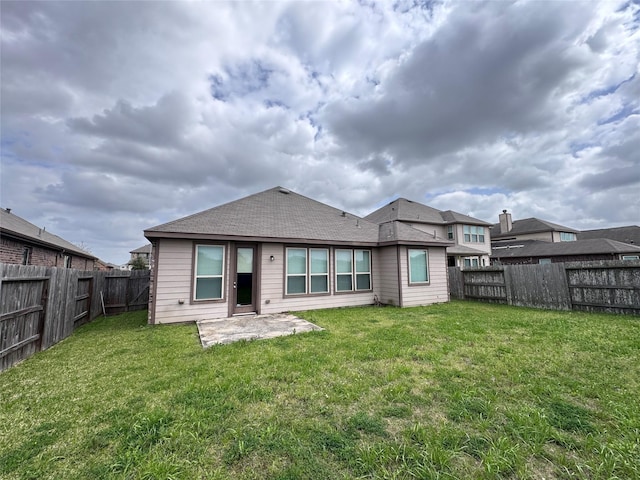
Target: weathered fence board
39, 306
605, 286
487, 284
22, 316
544, 286
612, 288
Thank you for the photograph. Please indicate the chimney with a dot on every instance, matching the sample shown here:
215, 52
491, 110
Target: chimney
506, 223
8, 210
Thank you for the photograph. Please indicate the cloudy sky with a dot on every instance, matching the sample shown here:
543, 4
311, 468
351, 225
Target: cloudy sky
118, 116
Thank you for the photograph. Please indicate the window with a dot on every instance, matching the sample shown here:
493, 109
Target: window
319, 270
307, 269
209, 274
631, 257
473, 234
544, 261
26, 255
567, 237
471, 262
67, 261
345, 262
296, 271
450, 232
418, 266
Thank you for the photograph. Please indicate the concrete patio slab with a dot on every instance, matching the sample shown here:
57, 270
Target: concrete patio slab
251, 327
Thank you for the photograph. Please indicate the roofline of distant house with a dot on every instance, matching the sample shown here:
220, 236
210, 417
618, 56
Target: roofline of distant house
510, 234
11, 234
446, 222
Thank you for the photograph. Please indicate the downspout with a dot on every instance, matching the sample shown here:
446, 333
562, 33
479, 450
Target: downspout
155, 254
399, 276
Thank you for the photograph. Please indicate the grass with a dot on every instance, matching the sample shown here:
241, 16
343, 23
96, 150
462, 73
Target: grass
460, 390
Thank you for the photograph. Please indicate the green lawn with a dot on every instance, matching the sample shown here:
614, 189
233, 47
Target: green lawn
460, 390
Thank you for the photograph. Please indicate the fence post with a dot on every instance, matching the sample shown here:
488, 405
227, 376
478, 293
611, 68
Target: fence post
507, 278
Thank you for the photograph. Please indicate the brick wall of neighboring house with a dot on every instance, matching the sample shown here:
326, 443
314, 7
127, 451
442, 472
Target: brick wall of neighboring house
12, 251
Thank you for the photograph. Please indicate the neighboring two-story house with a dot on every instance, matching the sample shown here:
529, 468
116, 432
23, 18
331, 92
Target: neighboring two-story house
471, 236
143, 252
532, 240
530, 229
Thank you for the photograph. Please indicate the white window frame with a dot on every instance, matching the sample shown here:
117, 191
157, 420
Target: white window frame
287, 275
196, 276
354, 272
630, 257
426, 259
567, 237
473, 234
471, 262
308, 274
311, 274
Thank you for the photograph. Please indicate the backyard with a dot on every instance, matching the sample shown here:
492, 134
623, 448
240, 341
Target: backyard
451, 391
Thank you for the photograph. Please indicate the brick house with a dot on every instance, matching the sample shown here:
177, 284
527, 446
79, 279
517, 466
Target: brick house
143, 252
23, 243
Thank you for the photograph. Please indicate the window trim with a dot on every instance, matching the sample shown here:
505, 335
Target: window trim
194, 274
572, 237
327, 274
471, 231
287, 274
426, 254
630, 257
307, 274
354, 271
471, 262
450, 232
27, 252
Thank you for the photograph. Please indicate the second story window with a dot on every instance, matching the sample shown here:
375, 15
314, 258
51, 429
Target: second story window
567, 237
473, 234
450, 232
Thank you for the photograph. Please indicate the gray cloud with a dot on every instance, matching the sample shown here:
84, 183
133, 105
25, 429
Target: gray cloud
117, 116
484, 73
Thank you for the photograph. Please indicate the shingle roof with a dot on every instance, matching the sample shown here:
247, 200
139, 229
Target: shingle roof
12, 224
629, 234
279, 214
143, 249
409, 211
395, 231
529, 225
538, 248
463, 250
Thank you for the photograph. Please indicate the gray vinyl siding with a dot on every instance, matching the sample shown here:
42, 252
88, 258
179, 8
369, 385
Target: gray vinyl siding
273, 286
174, 284
436, 291
175, 270
438, 230
388, 276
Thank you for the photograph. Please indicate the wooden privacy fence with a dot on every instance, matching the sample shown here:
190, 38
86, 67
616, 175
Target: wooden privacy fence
604, 286
39, 306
